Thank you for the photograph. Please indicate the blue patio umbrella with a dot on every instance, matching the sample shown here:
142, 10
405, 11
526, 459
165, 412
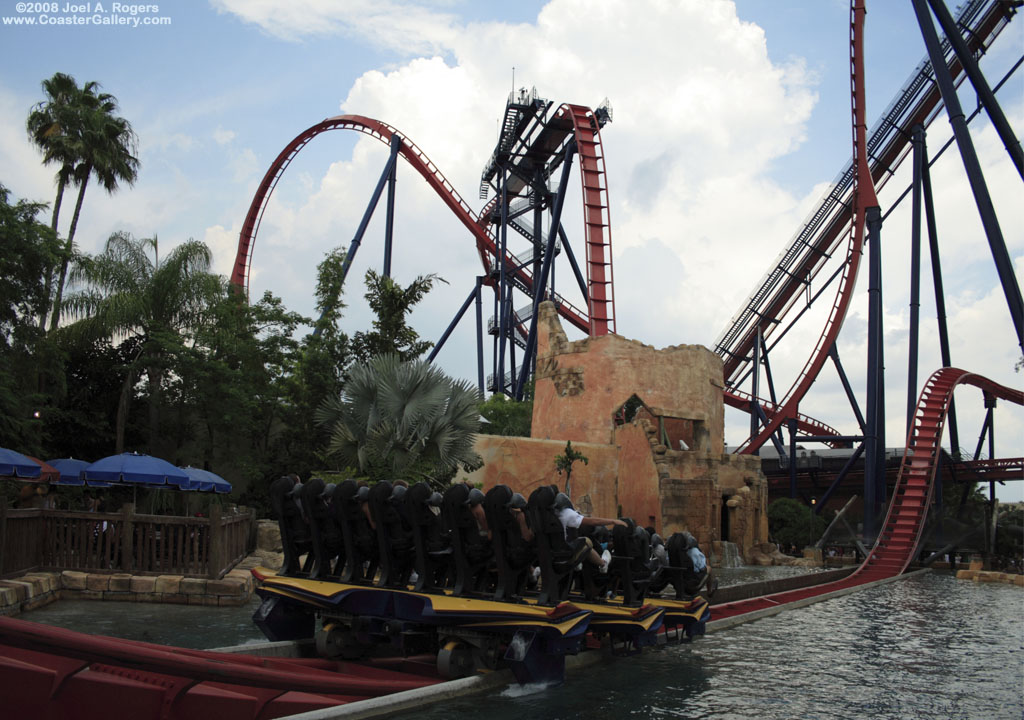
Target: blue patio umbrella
71, 472
14, 464
206, 481
135, 469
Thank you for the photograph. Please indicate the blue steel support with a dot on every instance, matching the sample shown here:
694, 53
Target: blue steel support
480, 335
549, 256
755, 378
389, 168
792, 424
985, 94
834, 354
915, 277
940, 297
389, 225
839, 478
574, 265
997, 245
874, 432
451, 326
499, 377
986, 429
768, 377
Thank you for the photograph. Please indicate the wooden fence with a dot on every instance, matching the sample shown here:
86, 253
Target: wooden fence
123, 542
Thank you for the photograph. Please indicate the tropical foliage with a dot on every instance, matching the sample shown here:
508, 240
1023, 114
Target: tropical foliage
790, 522
564, 463
505, 416
391, 304
148, 350
403, 420
126, 293
77, 129
29, 250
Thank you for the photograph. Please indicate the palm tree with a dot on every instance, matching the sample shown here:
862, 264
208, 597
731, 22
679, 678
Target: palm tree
76, 127
53, 126
108, 146
125, 293
403, 420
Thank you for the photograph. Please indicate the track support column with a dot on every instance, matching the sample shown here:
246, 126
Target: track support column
874, 435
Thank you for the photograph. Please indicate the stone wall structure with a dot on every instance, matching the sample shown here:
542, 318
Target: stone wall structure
650, 422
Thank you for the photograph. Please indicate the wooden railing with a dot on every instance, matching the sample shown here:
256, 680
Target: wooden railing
123, 542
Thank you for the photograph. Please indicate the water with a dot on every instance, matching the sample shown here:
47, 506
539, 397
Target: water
730, 555
929, 647
189, 626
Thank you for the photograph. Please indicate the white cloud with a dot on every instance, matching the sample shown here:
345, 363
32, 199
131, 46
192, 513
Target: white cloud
222, 136
402, 27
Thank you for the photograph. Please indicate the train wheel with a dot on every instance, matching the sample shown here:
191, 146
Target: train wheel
338, 641
455, 660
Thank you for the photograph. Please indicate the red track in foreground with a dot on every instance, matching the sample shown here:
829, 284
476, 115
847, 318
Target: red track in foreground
901, 531
48, 672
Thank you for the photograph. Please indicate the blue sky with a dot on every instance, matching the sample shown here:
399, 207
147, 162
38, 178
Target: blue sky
730, 120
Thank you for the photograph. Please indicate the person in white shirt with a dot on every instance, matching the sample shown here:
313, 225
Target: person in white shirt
572, 519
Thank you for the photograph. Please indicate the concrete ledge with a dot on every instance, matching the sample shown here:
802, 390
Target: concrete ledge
990, 576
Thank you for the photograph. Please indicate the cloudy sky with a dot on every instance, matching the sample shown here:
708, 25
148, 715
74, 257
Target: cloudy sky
730, 120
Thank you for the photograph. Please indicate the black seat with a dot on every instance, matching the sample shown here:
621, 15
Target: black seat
394, 536
556, 557
431, 543
686, 581
513, 555
295, 533
631, 561
471, 551
359, 539
316, 515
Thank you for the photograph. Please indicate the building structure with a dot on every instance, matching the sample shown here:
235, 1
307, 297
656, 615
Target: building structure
651, 425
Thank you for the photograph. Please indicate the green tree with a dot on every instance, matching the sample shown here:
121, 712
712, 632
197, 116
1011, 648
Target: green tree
506, 417
392, 303
318, 370
564, 463
29, 249
790, 522
127, 293
77, 128
403, 420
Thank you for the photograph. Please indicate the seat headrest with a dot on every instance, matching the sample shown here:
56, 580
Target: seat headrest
517, 501
562, 502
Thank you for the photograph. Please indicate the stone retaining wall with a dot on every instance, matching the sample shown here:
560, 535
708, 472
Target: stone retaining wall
34, 590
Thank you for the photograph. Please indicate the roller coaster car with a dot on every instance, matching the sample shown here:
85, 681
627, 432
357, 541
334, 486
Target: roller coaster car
470, 602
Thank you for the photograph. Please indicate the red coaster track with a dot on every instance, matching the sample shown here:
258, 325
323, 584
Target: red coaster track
578, 120
897, 543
